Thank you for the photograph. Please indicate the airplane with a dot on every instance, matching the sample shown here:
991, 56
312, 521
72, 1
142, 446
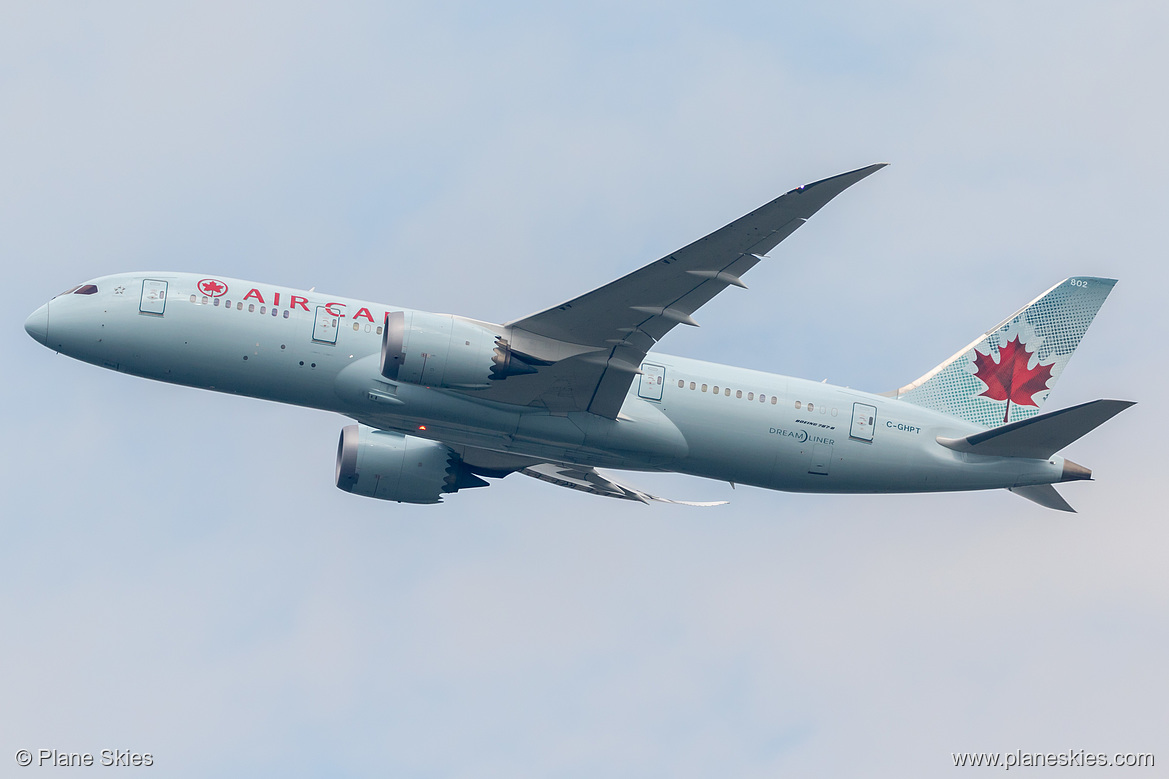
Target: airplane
443, 403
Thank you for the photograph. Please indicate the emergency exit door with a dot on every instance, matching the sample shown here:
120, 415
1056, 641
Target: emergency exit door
653, 378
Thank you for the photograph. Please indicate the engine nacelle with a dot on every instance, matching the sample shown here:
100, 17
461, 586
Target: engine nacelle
440, 350
391, 466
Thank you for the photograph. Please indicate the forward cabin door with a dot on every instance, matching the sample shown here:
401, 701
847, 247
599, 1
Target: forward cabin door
153, 300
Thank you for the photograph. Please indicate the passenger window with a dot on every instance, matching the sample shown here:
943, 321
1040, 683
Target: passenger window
239, 306
204, 300
762, 398
704, 388
774, 400
738, 393
727, 392
798, 405
227, 304
750, 396
356, 326
216, 302
810, 407
681, 384
286, 313
263, 309
715, 389
192, 298
379, 332
692, 385
251, 307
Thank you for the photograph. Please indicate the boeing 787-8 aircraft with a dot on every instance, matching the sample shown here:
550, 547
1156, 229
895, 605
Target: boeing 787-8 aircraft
443, 402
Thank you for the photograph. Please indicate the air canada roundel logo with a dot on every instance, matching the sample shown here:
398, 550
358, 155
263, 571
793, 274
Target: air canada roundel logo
212, 288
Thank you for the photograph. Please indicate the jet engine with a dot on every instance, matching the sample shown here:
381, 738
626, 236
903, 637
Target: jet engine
440, 350
391, 466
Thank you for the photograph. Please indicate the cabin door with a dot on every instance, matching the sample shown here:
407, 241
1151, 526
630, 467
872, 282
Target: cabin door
325, 327
153, 300
653, 379
864, 421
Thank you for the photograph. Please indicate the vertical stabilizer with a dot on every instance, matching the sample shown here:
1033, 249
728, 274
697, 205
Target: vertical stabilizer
1007, 374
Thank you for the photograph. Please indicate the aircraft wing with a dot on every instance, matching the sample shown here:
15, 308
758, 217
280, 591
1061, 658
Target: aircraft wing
588, 350
592, 481
496, 465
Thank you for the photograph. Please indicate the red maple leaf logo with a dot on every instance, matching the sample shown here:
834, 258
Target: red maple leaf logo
1010, 379
212, 287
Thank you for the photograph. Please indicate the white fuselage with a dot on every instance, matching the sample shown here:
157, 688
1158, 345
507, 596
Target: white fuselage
759, 428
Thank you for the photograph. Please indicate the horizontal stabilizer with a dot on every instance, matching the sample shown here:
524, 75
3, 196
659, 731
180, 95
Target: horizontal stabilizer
1045, 495
1042, 436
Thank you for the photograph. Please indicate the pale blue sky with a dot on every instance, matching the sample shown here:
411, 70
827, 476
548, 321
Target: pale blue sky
179, 575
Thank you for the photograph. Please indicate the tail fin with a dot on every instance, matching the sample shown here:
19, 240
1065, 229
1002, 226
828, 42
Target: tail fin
1007, 374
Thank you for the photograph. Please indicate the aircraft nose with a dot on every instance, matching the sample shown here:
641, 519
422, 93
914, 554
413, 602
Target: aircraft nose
37, 324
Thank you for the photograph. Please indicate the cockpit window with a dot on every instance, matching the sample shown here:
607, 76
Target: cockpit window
80, 289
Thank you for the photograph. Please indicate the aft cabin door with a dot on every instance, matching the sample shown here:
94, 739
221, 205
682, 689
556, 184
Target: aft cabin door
864, 421
325, 327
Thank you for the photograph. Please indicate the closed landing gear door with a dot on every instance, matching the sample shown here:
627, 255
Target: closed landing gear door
821, 459
864, 421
